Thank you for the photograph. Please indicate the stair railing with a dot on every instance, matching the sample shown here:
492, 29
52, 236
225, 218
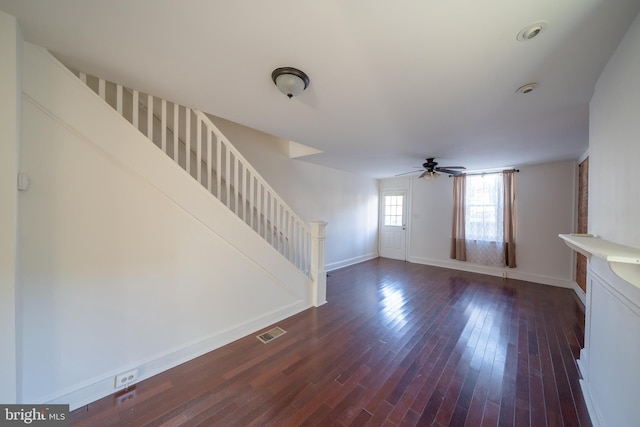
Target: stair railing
194, 142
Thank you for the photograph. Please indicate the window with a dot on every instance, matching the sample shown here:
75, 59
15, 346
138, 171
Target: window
484, 219
393, 210
484, 208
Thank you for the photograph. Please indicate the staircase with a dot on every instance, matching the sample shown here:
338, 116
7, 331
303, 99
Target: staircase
192, 141
118, 244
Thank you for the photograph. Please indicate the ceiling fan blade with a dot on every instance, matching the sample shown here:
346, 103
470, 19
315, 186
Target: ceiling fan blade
450, 171
451, 167
406, 173
423, 174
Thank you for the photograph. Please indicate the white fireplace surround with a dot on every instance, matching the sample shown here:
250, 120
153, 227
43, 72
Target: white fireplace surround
609, 360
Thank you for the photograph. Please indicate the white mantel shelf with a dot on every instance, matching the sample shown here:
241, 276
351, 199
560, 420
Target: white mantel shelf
623, 260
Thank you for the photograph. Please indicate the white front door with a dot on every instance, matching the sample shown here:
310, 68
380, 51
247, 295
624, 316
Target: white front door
393, 224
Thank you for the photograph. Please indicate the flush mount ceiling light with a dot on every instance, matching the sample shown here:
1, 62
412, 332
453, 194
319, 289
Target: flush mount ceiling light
531, 31
528, 88
290, 81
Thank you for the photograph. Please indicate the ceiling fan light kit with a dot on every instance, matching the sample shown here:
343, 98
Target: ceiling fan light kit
427, 176
433, 171
290, 81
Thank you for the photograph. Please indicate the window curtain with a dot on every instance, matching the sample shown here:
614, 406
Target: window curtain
509, 223
458, 243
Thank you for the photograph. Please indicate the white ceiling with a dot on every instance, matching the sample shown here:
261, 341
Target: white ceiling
392, 82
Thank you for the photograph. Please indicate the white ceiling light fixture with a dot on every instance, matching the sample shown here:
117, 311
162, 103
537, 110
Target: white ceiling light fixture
290, 81
531, 31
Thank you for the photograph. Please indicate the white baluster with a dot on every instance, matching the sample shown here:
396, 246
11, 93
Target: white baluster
163, 126
259, 209
236, 184
209, 155
251, 197
289, 237
274, 222
218, 167
199, 150
176, 133
135, 105
150, 117
83, 77
119, 99
101, 88
227, 174
187, 139
245, 191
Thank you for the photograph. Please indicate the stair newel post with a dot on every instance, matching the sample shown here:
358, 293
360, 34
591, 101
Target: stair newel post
318, 273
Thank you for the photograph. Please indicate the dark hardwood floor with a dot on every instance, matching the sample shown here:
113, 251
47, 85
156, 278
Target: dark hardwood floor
398, 344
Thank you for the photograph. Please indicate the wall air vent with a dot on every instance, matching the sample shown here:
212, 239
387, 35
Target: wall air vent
271, 334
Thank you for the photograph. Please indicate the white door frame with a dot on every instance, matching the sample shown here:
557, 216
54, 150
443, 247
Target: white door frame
396, 184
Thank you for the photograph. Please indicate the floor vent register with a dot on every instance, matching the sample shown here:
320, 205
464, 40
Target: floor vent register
271, 334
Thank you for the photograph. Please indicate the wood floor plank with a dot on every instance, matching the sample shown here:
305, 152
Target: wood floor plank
398, 344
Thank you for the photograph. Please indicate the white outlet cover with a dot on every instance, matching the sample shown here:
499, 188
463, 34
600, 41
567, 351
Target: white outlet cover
126, 378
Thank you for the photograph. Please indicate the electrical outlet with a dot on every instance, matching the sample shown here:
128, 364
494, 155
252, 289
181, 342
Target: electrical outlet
126, 378
504, 274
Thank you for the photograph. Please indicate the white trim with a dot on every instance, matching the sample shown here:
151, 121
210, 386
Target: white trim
583, 157
494, 271
581, 294
592, 408
405, 218
351, 261
95, 389
407, 237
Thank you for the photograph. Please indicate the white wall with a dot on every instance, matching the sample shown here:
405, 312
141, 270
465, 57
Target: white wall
609, 361
349, 203
545, 206
10, 95
614, 146
126, 262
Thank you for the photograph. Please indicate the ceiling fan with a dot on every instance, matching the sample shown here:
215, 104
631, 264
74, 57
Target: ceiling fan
431, 169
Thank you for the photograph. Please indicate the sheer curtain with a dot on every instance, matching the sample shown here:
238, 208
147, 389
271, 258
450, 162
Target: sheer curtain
484, 220
458, 246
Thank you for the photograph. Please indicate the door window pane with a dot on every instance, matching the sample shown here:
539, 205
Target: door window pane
393, 210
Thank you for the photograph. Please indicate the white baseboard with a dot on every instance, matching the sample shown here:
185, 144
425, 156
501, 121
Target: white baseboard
594, 414
494, 271
99, 388
350, 261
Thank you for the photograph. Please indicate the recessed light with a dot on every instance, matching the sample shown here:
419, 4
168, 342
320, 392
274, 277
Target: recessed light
531, 31
528, 88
